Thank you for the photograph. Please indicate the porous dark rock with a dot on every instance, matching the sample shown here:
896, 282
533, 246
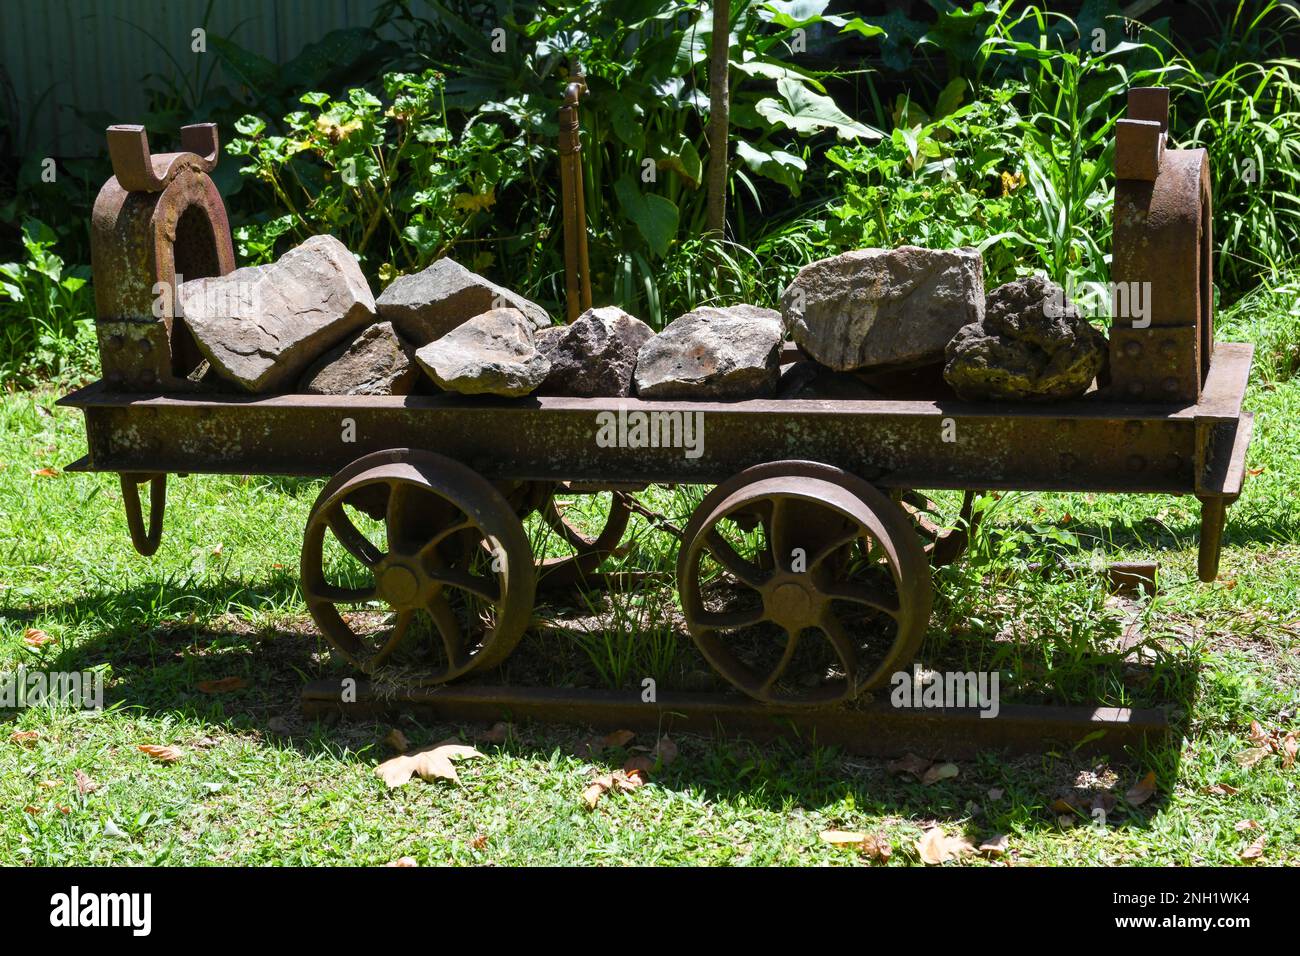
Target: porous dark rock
261, 326
884, 308
1032, 345
595, 355
426, 305
374, 362
713, 353
491, 354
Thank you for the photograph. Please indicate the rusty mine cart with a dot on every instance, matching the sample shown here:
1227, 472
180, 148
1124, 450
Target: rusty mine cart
452, 477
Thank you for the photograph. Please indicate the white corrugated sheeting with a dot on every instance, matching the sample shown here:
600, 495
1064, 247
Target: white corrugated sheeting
90, 55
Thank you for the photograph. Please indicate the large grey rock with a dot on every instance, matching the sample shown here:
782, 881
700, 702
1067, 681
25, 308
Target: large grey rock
375, 362
1031, 346
710, 353
427, 305
261, 326
493, 353
884, 308
594, 356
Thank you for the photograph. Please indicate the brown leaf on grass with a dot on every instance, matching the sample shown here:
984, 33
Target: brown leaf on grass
909, 763
431, 763
936, 847
498, 733
34, 637
619, 738
160, 753
24, 738
1241, 826
1255, 850
397, 740
1142, 791
665, 751
1287, 750
84, 783
940, 771
403, 861
1219, 790
31, 809
639, 764
46, 472
1251, 756
478, 841
1259, 736
223, 685
872, 845
620, 780
995, 846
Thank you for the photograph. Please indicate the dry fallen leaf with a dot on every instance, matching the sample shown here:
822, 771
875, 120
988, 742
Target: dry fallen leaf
1243, 825
1289, 747
1255, 850
24, 738
842, 837
1219, 790
995, 846
431, 763
1258, 735
34, 637
621, 780
872, 845
665, 751
909, 763
403, 861
160, 753
940, 771
223, 685
479, 841
31, 809
638, 764
397, 740
1252, 755
496, 734
595, 790
936, 847
1142, 791
46, 472
84, 783
619, 738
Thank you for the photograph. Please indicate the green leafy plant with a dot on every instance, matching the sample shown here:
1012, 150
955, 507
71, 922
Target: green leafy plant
46, 328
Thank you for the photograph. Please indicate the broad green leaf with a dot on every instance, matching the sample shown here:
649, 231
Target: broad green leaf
807, 112
785, 168
655, 216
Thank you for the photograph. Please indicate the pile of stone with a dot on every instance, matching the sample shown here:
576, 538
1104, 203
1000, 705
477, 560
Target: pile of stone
309, 323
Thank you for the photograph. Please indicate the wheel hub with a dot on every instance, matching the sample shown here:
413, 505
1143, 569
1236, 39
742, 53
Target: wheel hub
399, 585
790, 603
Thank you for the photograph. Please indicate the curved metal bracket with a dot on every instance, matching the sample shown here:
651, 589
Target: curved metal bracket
138, 170
146, 542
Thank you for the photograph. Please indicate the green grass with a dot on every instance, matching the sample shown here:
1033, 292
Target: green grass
259, 784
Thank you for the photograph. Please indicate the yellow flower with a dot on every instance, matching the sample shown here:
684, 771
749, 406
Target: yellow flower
1012, 181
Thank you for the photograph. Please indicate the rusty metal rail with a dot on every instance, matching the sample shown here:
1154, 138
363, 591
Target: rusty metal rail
875, 729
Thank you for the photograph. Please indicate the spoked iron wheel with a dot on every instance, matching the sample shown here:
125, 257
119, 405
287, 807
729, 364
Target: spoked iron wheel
582, 551
803, 584
455, 569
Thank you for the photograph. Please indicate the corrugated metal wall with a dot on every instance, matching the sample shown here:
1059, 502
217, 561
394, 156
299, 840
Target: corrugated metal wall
90, 55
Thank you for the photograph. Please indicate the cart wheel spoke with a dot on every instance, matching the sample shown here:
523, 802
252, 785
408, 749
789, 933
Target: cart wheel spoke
787, 655
779, 533
832, 546
353, 541
729, 620
324, 591
448, 628
842, 642
475, 584
860, 593
401, 628
395, 511
744, 571
432, 544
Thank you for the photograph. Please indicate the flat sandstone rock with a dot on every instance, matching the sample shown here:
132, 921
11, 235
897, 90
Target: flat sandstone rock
425, 306
261, 326
491, 354
713, 353
884, 308
374, 362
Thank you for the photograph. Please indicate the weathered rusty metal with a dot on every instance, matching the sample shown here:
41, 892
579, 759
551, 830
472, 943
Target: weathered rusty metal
1090, 445
875, 729
577, 270
145, 540
588, 551
837, 558
158, 220
943, 544
455, 554
1162, 251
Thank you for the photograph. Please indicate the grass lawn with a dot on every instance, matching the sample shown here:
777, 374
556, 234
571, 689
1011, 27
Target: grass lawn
258, 784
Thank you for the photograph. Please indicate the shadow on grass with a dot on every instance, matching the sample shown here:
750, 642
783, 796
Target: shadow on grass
158, 666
